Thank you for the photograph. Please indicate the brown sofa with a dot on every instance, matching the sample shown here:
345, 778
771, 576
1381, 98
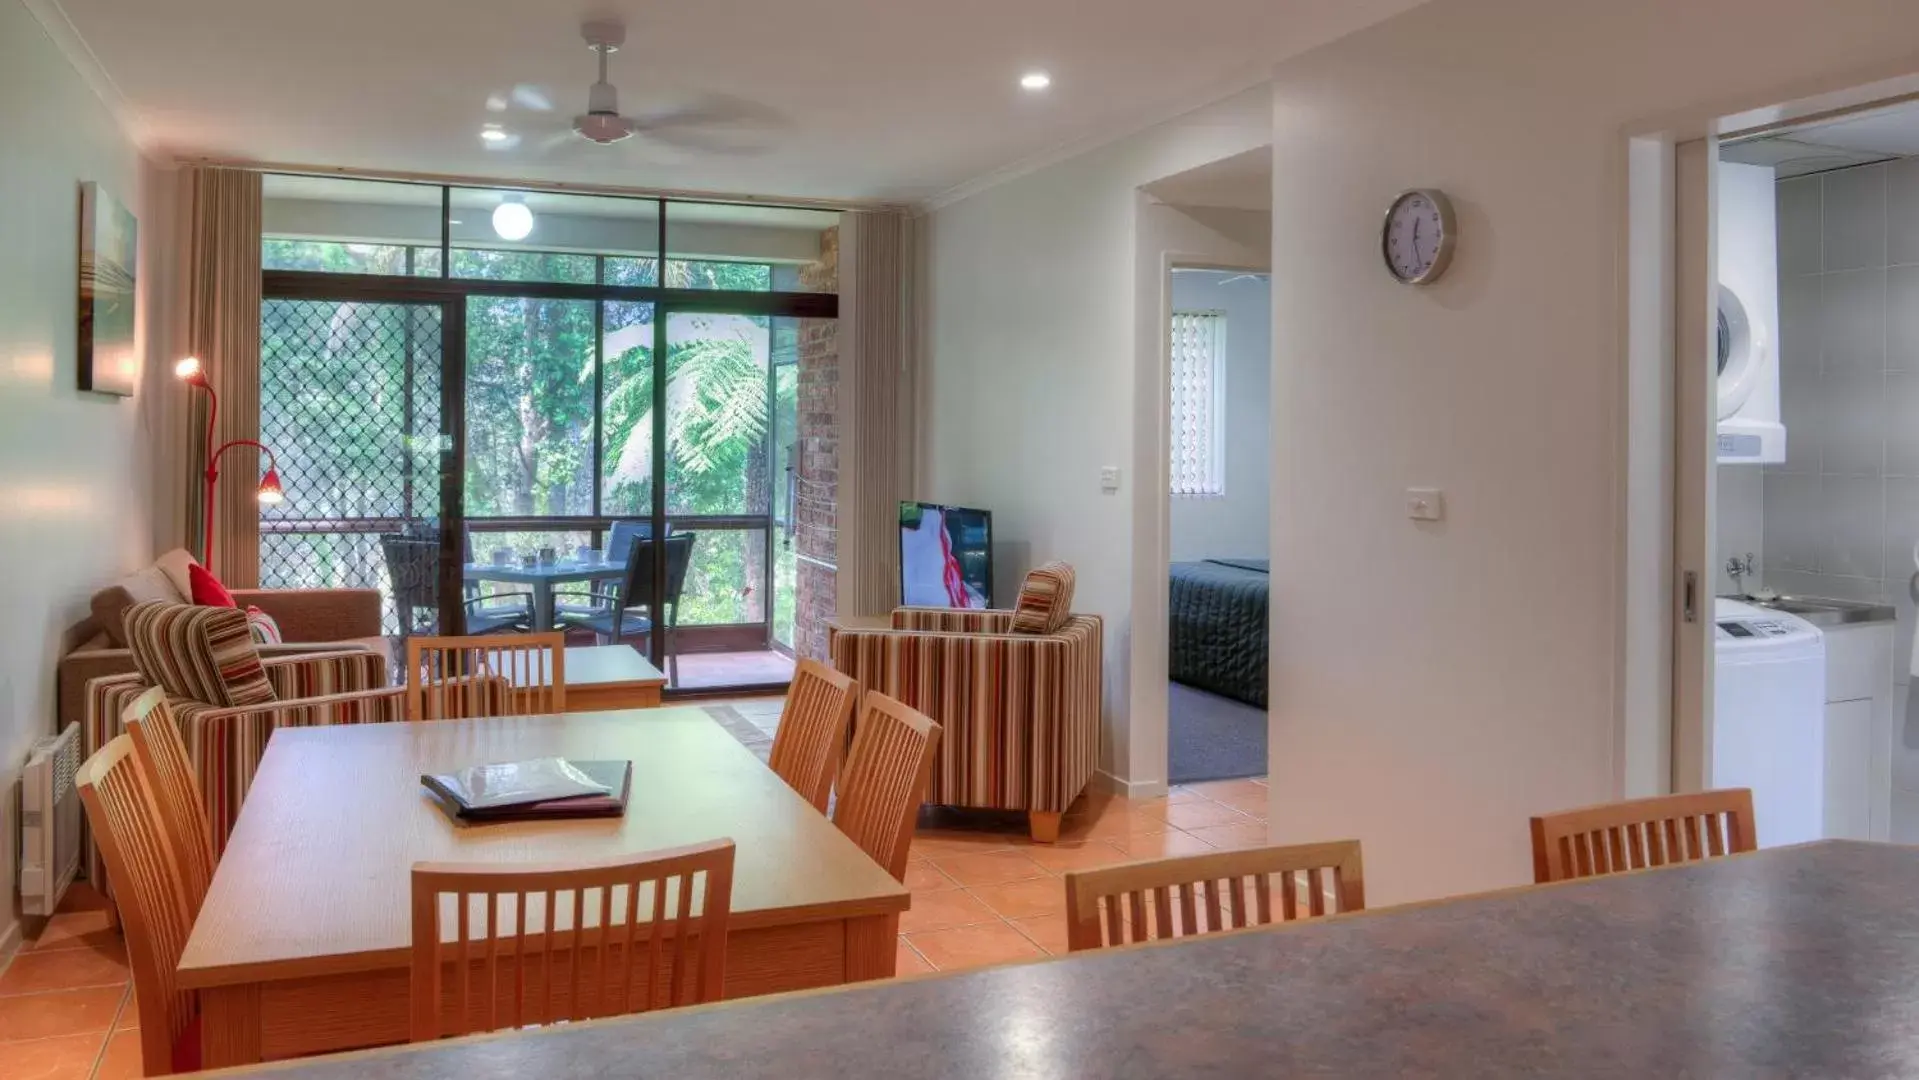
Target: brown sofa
311, 620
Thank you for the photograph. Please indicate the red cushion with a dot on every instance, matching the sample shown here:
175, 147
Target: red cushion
207, 590
186, 1049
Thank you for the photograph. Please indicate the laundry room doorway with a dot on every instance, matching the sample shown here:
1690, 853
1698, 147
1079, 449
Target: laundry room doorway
1795, 479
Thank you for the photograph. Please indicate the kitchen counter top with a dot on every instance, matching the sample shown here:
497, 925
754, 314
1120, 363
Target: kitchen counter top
1792, 961
1823, 611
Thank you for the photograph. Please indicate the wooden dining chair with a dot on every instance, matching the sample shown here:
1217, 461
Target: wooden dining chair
812, 734
887, 770
156, 909
1641, 833
540, 944
1196, 894
494, 675
162, 753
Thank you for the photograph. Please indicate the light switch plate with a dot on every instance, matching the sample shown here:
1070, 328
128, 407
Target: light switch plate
1425, 504
1109, 478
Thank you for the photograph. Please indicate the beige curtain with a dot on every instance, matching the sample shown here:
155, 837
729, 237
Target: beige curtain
220, 294
877, 341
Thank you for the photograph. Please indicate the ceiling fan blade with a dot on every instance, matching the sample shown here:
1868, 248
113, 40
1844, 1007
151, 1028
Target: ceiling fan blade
694, 140
711, 111
532, 98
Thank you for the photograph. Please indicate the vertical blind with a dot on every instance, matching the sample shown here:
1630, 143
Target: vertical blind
1198, 403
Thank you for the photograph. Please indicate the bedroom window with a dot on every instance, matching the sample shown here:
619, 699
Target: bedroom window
1199, 403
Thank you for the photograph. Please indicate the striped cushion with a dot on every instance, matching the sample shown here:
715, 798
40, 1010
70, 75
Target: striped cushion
264, 630
1045, 600
197, 653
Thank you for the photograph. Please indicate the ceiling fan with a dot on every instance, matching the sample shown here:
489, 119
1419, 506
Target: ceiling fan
709, 122
602, 122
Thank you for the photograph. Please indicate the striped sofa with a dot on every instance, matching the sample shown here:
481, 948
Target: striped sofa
1021, 711
225, 742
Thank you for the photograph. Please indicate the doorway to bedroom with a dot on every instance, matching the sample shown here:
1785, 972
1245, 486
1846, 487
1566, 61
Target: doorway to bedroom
1218, 516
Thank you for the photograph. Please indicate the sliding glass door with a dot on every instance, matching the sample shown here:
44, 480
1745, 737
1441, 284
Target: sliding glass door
608, 384
352, 399
720, 479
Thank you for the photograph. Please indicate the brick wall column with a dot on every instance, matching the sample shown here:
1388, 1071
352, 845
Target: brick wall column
816, 517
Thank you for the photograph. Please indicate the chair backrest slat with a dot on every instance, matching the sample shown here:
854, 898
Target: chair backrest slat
492, 675
151, 887
1642, 833
162, 752
585, 947
1145, 900
812, 734
887, 771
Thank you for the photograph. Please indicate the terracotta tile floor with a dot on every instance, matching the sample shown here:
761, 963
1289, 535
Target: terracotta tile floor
983, 893
66, 1007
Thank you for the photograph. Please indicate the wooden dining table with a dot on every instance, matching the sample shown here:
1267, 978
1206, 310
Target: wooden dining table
303, 943
1800, 961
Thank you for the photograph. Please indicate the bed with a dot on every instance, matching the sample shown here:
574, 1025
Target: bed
1219, 628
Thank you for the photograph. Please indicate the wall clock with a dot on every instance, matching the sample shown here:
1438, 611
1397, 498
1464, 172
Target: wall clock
1417, 239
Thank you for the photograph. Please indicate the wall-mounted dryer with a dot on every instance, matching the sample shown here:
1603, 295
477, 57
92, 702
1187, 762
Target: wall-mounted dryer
1746, 342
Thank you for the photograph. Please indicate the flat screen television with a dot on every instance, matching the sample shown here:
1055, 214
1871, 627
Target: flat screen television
946, 556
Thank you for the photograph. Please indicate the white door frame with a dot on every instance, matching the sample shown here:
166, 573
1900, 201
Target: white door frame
1696, 471
1691, 141
1164, 241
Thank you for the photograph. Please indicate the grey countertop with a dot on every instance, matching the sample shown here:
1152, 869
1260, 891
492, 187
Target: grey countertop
1791, 962
1824, 612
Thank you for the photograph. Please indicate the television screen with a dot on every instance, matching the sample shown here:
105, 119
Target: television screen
946, 556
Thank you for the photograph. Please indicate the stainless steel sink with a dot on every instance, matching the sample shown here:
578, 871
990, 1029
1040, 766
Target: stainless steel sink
1823, 611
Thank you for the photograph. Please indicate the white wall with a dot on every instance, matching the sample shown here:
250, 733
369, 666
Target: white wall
1029, 363
1234, 523
74, 508
1440, 684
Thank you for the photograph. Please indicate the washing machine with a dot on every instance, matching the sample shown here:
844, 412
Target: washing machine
1769, 718
1746, 339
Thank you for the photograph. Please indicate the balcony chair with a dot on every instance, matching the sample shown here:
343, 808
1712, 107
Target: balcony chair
413, 567
628, 608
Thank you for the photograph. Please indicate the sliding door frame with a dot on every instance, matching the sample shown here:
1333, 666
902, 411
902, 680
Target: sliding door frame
326, 288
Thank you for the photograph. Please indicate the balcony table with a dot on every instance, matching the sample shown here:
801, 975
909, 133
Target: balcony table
542, 579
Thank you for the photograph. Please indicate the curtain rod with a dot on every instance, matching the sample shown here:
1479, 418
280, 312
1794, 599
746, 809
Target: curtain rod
556, 186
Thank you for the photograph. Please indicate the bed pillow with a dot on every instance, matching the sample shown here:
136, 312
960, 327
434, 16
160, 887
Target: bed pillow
1045, 600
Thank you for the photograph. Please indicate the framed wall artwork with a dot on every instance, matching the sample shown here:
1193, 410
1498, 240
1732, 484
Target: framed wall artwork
109, 254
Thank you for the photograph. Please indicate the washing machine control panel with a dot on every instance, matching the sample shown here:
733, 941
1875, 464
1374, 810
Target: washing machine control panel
1741, 629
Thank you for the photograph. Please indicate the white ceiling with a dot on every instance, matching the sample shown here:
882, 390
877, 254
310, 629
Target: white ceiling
886, 100
1857, 139
1241, 182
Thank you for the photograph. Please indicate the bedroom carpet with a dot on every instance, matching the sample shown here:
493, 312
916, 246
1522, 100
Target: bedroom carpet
1210, 737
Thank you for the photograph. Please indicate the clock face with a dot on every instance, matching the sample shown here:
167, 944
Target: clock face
1418, 239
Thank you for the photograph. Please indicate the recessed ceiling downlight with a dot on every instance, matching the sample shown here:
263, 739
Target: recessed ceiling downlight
493, 134
513, 220
1035, 80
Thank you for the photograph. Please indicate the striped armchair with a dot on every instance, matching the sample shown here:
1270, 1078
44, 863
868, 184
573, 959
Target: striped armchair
225, 742
1020, 709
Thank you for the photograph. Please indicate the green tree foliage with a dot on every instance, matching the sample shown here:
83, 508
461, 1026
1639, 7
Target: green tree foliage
335, 390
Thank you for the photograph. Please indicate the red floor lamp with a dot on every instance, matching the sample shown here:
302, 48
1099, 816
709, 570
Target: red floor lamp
192, 373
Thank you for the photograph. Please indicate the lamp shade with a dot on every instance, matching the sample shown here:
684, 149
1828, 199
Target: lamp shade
270, 490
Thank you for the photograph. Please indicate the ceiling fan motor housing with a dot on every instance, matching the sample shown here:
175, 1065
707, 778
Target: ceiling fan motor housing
603, 127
